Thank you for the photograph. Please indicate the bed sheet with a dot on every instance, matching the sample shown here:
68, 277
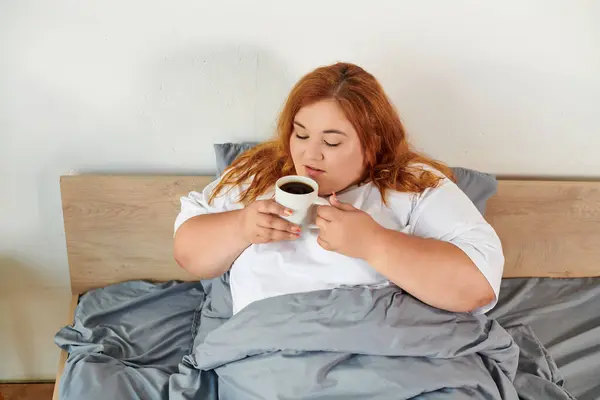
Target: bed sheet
565, 316
128, 339
134, 335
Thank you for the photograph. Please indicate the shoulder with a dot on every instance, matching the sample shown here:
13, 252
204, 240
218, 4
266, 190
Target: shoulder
226, 198
227, 192
418, 169
201, 201
443, 186
443, 199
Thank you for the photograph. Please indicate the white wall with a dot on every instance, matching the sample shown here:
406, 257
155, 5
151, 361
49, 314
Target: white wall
510, 87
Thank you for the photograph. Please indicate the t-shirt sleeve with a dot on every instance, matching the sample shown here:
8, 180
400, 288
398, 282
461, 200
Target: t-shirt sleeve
446, 213
196, 203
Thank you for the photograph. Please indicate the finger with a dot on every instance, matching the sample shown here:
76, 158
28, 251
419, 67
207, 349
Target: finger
321, 223
259, 238
323, 243
272, 207
334, 201
290, 236
275, 222
272, 235
326, 212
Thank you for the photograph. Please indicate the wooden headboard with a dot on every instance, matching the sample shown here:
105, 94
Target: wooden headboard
120, 228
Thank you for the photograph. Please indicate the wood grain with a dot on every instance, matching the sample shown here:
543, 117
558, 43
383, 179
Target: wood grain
26, 391
120, 228
63, 354
548, 228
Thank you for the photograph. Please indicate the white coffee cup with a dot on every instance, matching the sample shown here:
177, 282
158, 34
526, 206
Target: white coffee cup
300, 204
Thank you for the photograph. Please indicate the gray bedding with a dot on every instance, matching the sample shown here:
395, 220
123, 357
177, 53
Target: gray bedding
128, 339
565, 316
178, 341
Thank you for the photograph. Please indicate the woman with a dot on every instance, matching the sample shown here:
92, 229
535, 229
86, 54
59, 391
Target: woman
395, 216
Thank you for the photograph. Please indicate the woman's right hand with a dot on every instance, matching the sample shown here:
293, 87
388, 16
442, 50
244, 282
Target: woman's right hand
262, 222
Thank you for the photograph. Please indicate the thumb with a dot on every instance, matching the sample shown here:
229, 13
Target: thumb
333, 200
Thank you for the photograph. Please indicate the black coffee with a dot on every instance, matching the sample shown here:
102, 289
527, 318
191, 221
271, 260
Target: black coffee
296, 188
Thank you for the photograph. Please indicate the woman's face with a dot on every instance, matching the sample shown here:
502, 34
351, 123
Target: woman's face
325, 147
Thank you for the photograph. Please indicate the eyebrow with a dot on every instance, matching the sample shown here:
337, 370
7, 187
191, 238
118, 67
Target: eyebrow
325, 131
334, 131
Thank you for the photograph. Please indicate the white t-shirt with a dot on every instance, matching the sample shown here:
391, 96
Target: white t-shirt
272, 269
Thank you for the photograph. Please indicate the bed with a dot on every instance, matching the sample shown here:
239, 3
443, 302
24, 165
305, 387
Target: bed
119, 229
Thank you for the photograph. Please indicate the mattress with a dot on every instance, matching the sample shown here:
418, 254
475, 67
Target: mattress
136, 333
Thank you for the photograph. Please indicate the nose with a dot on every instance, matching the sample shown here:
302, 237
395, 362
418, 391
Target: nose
313, 150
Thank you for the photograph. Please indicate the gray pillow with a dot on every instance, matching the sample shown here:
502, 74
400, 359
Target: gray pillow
225, 153
478, 186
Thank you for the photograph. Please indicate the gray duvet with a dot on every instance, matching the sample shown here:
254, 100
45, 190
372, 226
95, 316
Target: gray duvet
179, 341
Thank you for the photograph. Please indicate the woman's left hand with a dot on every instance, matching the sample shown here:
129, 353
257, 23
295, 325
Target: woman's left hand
346, 229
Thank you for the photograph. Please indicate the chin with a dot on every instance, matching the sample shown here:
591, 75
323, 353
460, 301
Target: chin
324, 191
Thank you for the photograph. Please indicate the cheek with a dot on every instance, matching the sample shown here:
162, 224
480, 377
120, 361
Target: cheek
356, 156
349, 160
293, 147
297, 150
356, 164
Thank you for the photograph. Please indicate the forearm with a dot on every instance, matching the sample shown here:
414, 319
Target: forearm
436, 272
208, 244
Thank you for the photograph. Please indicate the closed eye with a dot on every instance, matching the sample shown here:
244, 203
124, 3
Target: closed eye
326, 143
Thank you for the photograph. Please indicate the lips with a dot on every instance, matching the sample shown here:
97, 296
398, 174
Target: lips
312, 171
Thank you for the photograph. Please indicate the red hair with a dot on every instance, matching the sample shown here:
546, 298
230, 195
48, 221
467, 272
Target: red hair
390, 163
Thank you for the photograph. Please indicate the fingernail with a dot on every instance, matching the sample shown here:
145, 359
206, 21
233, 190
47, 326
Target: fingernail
296, 229
288, 212
294, 235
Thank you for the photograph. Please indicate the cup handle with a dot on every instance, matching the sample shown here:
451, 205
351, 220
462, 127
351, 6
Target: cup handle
319, 202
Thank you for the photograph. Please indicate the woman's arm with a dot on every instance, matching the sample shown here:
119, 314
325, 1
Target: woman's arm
207, 239
207, 245
436, 272
210, 236
452, 258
